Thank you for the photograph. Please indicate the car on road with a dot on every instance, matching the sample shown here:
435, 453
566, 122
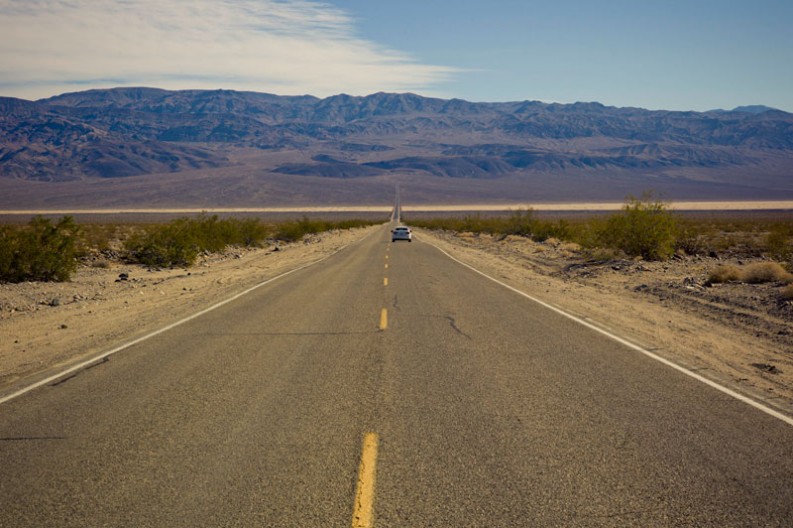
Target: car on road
401, 233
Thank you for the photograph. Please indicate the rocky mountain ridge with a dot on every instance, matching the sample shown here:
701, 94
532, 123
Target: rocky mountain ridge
133, 131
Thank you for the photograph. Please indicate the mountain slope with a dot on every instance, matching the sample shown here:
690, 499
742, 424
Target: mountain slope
128, 132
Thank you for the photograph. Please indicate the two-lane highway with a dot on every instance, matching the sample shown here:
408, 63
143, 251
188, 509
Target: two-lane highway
388, 384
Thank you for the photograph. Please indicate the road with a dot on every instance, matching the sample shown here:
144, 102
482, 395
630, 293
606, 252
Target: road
392, 374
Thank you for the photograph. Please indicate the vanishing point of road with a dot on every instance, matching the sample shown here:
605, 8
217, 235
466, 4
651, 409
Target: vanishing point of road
388, 386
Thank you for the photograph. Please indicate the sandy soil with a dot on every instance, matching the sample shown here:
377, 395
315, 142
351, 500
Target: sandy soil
740, 335
45, 325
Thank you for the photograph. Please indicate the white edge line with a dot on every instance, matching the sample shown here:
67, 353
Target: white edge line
757, 405
103, 355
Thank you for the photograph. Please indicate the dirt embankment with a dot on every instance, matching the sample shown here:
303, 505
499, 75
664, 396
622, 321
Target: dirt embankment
44, 325
740, 335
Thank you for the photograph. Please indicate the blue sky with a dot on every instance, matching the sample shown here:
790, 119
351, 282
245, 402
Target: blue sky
692, 55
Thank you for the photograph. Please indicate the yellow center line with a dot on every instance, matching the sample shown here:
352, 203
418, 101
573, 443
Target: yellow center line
385, 281
386, 257
386, 266
363, 510
384, 319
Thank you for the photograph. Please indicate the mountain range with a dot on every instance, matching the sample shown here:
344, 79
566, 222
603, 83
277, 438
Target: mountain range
226, 147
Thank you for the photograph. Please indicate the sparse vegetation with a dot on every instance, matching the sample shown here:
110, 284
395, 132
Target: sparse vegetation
39, 251
43, 251
179, 242
724, 274
644, 228
753, 237
779, 243
522, 222
762, 272
297, 229
755, 273
787, 292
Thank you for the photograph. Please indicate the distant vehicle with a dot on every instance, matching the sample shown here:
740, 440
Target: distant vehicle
401, 233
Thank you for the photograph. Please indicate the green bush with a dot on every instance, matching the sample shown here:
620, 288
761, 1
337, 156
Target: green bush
294, 230
179, 242
645, 228
166, 245
691, 238
40, 251
519, 223
297, 229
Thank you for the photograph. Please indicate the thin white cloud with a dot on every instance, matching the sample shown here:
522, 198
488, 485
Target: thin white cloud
280, 46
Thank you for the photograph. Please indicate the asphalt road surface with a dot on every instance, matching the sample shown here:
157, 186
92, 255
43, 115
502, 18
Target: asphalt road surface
388, 386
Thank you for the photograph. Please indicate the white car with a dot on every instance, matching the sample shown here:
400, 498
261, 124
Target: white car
401, 233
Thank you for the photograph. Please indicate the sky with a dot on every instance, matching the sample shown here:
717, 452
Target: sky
673, 55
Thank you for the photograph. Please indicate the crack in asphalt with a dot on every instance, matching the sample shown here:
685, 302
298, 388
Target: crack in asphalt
456, 328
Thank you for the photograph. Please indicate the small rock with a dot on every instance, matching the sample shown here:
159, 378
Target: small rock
64, 327
122, 277
55, 302
771, 369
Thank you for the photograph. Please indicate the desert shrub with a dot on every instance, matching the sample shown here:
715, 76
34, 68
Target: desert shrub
96, 238
588, 234
294, 230
724, 274
691, 239
787, 292
251, 232
520, 222
756, 273
761, 272
179, 242
40, 251
297, 229
645, 228
545, 230
164, 245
